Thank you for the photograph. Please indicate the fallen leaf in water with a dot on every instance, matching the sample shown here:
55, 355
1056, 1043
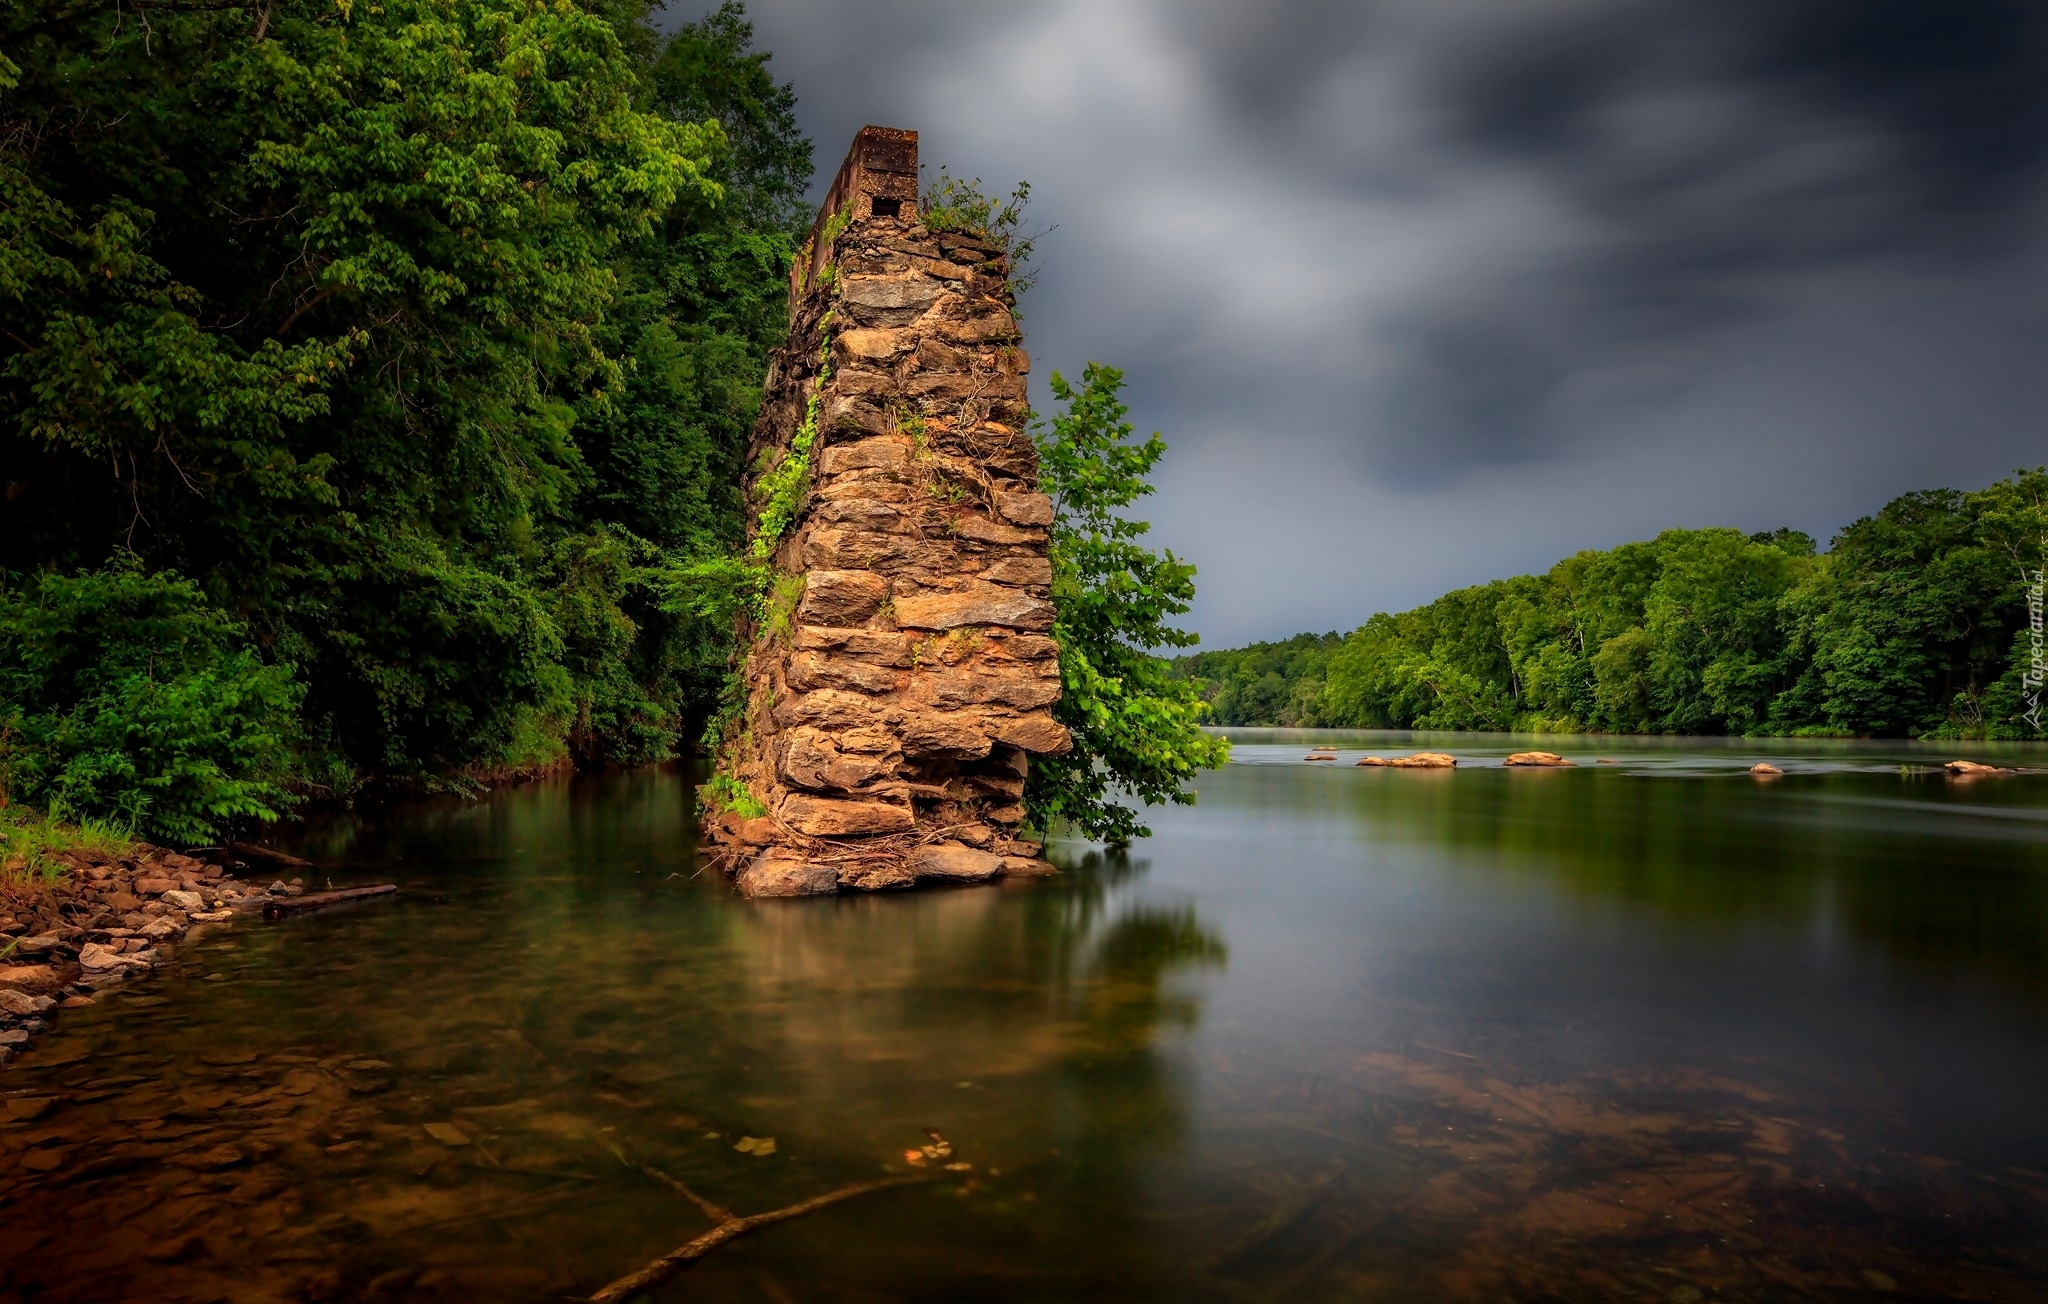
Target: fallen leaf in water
962, 1167
914, 1157
447, 1134
756, 1145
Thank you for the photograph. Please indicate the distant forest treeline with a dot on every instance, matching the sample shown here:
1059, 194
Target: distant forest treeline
1915, 623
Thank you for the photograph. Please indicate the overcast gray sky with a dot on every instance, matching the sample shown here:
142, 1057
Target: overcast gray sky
1426, 292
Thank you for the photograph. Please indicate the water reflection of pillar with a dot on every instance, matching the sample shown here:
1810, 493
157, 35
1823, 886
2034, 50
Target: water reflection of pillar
1025, 1025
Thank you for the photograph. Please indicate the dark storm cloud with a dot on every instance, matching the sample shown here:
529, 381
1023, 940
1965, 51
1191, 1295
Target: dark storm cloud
1716, 150
1561, 272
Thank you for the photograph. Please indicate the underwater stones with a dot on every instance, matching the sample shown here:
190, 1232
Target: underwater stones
100, 957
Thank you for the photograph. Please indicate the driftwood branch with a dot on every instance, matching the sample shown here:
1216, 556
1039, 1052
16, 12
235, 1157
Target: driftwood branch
279, 907
730, 1228
265, 856
717, 1213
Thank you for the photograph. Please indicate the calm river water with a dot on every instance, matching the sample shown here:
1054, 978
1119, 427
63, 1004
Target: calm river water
1649, 1031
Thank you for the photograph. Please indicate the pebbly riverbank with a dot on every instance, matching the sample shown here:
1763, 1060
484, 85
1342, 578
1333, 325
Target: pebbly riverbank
104, 919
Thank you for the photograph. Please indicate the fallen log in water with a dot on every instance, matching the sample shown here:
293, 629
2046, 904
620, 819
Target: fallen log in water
256, 855
729, 1228
279, 907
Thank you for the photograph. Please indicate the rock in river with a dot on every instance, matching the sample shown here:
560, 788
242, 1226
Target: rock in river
1419, 761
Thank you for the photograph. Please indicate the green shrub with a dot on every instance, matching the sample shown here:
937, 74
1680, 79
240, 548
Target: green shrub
126, 697
1136, 723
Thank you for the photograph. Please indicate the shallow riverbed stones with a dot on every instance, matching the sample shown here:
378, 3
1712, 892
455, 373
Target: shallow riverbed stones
901, 675
99, 922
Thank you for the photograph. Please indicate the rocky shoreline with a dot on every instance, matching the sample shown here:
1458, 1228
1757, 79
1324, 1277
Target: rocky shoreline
106, 920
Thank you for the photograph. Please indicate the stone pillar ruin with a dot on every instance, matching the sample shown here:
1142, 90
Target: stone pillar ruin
899, 671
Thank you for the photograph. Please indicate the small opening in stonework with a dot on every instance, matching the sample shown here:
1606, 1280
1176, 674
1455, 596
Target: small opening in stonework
881, 207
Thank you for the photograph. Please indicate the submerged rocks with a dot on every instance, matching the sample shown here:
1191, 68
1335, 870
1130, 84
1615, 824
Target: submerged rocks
1975, 770
101, 921
1541, 759
96, 957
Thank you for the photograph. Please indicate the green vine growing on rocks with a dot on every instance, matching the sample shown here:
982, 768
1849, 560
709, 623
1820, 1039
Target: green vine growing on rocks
954, 204
785, 591
724, 793
771, 596
827, 236
781, 491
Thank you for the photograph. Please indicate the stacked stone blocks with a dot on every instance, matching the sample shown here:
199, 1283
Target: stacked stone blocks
901, 672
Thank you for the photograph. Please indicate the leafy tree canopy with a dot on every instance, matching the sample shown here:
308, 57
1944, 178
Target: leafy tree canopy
1914, 623
1136, 724
422, 337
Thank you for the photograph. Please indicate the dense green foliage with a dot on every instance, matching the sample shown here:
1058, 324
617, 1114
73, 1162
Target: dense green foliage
1264, 683
128, 696
1136, 725
422, 339
1914, 623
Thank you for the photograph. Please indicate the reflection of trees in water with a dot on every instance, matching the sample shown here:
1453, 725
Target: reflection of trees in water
978, 983
1909, 862
1023, 1021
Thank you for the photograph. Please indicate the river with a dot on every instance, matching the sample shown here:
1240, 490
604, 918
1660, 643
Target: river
1653, 1030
